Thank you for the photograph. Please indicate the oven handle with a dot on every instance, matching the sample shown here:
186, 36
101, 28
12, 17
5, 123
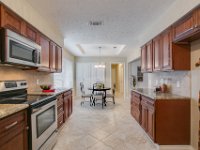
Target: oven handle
36, 109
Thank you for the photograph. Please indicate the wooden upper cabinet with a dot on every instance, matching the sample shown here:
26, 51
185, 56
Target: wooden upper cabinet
157, 54
58, 59
184, 27
52, 60
166, 50
44, 42
197, 17
149, 53
10, 20
30, 32
143, 58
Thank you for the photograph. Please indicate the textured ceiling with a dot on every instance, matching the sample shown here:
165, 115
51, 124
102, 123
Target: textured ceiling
123, 21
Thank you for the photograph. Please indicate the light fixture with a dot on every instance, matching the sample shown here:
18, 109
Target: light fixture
100, 65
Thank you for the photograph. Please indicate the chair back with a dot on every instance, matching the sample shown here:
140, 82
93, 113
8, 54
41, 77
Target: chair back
82, 88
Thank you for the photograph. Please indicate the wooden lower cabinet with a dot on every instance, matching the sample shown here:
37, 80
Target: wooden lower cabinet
135, 107
13, 130
64, 107
166, 121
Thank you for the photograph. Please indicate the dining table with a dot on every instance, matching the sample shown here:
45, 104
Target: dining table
95, 89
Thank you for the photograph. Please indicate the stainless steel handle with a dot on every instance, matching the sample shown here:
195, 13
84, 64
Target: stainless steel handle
11, 125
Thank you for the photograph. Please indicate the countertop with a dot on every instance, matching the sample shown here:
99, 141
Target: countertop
57, 92
157, 95
9, 109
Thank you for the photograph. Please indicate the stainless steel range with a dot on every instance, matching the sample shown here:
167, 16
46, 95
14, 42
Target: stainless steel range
42, 113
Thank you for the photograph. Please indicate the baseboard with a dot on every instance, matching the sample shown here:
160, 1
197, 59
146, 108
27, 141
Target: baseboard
176, 147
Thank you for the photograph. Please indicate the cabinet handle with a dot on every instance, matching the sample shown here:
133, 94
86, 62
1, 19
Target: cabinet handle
11, 125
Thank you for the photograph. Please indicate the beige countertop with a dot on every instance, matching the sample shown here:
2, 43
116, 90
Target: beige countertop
57, 92
9, 109
157, 95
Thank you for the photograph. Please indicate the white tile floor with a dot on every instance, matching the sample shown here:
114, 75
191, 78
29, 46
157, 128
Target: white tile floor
94, 128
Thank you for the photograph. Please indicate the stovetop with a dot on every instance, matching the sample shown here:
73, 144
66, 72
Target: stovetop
24, 99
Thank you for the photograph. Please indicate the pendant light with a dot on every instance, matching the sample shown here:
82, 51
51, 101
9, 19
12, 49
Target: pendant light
100, 64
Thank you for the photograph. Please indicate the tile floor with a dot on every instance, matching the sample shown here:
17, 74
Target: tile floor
94, 128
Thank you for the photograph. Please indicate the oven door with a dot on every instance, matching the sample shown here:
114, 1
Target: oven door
20, 50
44, 123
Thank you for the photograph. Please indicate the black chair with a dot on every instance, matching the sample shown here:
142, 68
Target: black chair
84, 96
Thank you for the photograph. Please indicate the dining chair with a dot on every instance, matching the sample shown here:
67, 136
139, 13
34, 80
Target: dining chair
111, 95
84, 95
98, 95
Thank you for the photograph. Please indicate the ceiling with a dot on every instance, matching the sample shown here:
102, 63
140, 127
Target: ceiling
121, 23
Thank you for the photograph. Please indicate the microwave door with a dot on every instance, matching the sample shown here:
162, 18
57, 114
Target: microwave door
21, 53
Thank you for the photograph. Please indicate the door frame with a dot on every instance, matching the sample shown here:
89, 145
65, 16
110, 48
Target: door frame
124, 81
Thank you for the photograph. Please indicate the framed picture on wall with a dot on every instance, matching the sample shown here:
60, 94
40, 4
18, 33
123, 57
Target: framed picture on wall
139, 74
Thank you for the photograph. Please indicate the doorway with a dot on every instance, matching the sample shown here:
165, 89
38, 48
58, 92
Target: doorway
117, 78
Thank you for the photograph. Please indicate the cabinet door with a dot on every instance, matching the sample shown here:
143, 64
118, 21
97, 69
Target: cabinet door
151, 122
144, 115
52, 57
149, 63
70, 104
31, 32
197, 18
184, 27
143, 59
66, 108
167, 50
157, 56
44, 43
58, 59
11, 20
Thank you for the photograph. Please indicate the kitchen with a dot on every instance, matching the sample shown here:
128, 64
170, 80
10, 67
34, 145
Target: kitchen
182, 83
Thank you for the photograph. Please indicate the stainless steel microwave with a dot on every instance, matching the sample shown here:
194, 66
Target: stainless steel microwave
18, 50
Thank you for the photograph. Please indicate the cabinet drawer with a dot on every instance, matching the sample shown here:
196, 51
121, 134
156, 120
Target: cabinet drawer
67, 93
60, 121
12, 121
147, 101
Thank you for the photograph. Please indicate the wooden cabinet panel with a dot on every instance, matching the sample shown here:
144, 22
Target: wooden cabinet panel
135, 106
157, 54
58, 59
14, 130
144, 115
167, 50
66, 108
184, 27
143, 59
31, 33
45, 52
197, 17
11, 20
52, 57
151, 122
149, 54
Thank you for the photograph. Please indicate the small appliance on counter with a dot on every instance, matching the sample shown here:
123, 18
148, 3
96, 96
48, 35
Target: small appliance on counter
42, 113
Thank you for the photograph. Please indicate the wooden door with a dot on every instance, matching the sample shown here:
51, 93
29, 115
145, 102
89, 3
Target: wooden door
151, 122
10, 20
52, 57
144, 115
157, 54
167, 50
45, 49
66, 108
58, 59
149, 53
143, 58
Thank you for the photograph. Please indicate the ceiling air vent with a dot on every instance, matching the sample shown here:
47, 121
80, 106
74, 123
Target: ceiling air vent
95, 23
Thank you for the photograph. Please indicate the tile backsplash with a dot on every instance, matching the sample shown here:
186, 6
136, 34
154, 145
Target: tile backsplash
178, 81
34, 78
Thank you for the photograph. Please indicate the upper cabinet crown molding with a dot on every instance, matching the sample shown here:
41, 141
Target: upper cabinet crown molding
51, 57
